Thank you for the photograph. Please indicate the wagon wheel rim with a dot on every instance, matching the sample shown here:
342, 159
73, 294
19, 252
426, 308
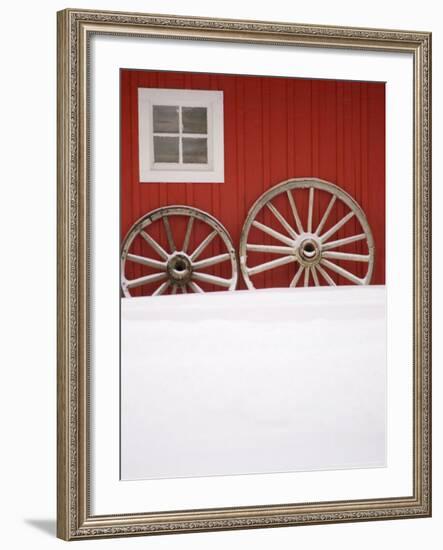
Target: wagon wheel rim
314, 251
176, 268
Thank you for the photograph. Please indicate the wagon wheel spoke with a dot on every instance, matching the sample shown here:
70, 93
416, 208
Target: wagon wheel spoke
297, 276
203, 245
188, 234
295, 211
155, 264
326, 215
315, 276
196, 288
178, 270
326, 276
282, 220
347, 256
213, 279
271, 265
273, 233
168, 231
336, 227
161, 289
343, 272
154, 244
311, 246
213, 260
342, 242
271, 249
145, 280
310, 208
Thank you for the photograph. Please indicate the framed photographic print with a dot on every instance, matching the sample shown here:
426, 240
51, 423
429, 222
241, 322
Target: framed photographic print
244, 274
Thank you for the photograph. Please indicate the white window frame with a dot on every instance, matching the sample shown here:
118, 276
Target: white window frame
150, 171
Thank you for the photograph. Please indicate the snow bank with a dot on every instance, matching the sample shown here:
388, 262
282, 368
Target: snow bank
253, 382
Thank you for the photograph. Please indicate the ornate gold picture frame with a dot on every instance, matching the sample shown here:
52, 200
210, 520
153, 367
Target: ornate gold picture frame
76, 517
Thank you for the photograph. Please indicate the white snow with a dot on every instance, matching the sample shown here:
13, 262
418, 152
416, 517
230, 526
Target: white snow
261, 381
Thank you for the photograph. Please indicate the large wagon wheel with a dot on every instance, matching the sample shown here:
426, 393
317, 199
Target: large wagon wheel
310, 248
175, 268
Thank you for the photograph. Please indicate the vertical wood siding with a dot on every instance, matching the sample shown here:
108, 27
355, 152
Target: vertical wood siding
275, 129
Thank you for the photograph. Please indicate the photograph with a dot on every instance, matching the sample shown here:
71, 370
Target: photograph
252, 216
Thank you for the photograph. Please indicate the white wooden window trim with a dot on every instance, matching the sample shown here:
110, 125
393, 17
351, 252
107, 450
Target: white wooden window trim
150, 171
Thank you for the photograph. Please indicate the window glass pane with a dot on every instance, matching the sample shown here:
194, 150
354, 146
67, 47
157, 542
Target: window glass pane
195, 150
166, 149
195, 120
165, 119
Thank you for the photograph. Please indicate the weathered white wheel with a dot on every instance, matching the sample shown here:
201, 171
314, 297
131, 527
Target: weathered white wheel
304, 242
174, 267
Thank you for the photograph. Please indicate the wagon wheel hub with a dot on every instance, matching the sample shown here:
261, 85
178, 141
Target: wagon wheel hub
308, 250
179, 268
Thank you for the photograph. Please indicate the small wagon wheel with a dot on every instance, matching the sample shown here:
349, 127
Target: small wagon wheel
310, 247
174, 267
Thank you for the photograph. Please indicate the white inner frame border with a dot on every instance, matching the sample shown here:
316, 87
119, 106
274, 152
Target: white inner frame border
108, 55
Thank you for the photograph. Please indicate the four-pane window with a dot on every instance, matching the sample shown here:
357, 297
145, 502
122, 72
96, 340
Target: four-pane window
181, 135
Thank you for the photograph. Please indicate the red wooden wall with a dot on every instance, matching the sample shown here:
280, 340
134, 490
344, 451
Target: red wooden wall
275, 129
